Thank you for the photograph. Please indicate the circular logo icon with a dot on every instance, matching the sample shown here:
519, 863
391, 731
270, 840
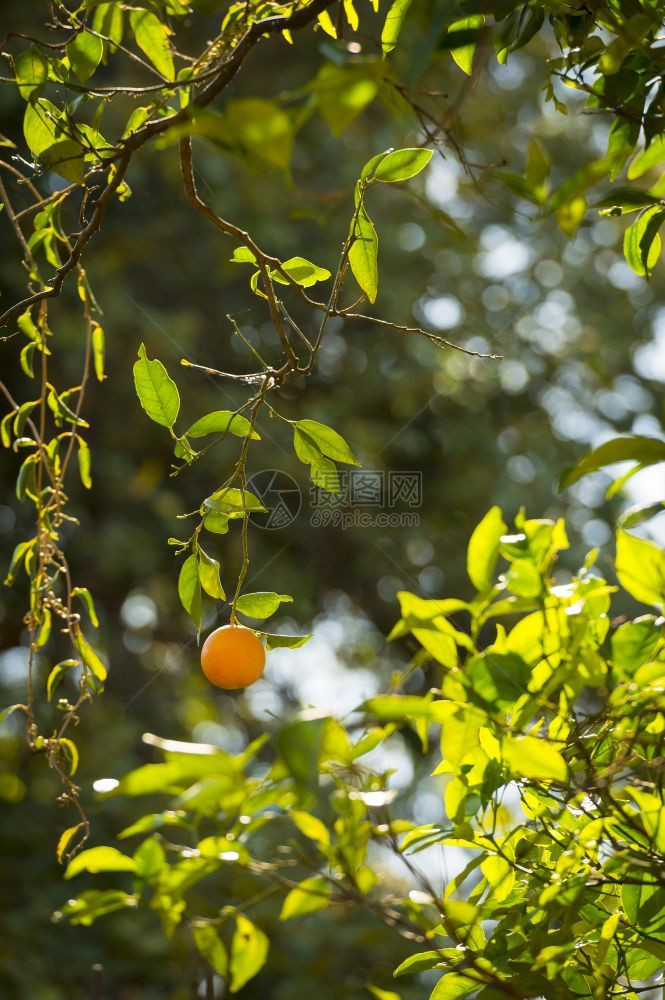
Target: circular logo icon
280, 495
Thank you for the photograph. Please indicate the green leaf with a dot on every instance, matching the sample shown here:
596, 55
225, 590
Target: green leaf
499, 679
31, 71
274, 641
222, 422
323, 471
216, 522
648, 158
621, 200
302, 271
209, 575
483, 550
463, 54
641, 242
107, 21
500, 875
328, 441
89, 656
157, 392
538, 167
380, 994
393, 24
41, 125
20, 554
84, 462
149, 859
402, 164
249, 951
363, 255
634, 644
84, 595
323, 474
530, 757
452, 986
152, 38
644, 903
524, 579
211, 947
640, 567
230, 500
644, 450
639, 513
56, 675
393, 708
189, 589
65, 158
260, 130
100, 859
311, 895
305, 447
27, 360
65, 839
299, 743
311, 827
85, 54
98, 351
93, 904
154, 821
326, 23
439, 645
6, 712
418, 963
180, 771
243, 255
261, 605
342, 93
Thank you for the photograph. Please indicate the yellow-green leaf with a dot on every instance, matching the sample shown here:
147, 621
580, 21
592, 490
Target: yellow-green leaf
249, 951
363, 255
157, 392
31, 71
89, 657
483, 549
85, 54
393, 24
209, 576
640, 566
463, 55
100, 859
328, 441
210, 945
530, 757
311, 895
65, 840
98, 351
261, 605
152, 38
311, 826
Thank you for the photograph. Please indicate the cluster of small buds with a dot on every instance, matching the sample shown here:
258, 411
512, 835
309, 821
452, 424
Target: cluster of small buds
55, 604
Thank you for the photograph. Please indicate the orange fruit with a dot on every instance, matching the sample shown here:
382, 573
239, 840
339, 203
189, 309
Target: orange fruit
233, 657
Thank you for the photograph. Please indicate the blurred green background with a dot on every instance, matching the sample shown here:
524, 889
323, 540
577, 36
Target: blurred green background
583, 346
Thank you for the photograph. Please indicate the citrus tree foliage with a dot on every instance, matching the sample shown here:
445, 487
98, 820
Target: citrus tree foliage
545, 717
553, 715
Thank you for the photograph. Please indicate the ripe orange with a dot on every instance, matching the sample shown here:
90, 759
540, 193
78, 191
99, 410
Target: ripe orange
233, 657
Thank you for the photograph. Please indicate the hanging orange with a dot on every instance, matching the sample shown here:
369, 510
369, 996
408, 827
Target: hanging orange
233, 657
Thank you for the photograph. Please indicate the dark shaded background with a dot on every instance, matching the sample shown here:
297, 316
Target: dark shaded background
582, 340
